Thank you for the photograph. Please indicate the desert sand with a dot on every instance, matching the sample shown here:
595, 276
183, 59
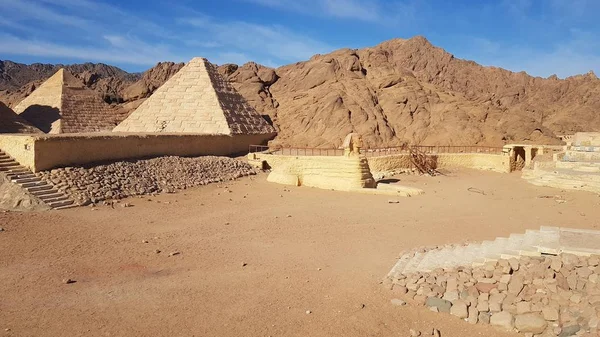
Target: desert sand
255, 258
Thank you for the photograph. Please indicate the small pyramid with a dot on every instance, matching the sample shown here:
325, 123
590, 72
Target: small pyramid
10, 122
196, 100
62, 104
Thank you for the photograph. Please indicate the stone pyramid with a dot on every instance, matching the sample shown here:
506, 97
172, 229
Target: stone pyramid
10, 122
196, 100
63, 104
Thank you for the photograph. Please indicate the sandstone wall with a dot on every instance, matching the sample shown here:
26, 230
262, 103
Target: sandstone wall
587, 139
328, 172
83, 111
479, 161
20, 147
50, 151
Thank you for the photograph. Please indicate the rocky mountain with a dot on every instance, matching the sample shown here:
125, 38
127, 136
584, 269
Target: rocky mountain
408, 91
400, 91
18, 80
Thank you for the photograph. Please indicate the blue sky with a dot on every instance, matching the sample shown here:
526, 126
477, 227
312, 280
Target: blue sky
542, 37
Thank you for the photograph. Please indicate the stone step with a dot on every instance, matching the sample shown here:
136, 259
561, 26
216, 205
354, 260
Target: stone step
15, 169
58, 198
45, 187
414, 262
35, 184
50, 197
20, 175
44, 192
61, 204
26, 180
9, 166
65, 207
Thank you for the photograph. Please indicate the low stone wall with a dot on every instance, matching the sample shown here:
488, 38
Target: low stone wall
43, 152
479, 161
328, 172
20, 147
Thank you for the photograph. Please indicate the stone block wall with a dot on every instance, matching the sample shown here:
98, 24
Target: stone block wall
43, 152
327, 172
478, 161
83, 111
586, 139
240, 116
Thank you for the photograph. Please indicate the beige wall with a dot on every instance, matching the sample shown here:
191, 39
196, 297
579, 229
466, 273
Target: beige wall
328, 172
50, 151
587, 139
479, 161
20, 147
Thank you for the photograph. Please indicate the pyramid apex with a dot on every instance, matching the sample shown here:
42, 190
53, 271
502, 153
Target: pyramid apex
198, 60
200, 101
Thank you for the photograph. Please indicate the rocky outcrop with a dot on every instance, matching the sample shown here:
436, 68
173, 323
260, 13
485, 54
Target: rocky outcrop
15, 198
408, 91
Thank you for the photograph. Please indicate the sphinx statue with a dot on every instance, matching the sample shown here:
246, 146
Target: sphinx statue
352, 144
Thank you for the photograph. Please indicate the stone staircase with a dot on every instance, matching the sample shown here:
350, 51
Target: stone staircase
42, 190
546, 240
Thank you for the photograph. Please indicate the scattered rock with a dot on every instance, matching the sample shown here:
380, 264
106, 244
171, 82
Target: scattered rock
441, 304
174, 253
69, 281
533, 323
459, 309
393, 201
244, 264
398, 302
502, 319
414, 333
569, 331
124, 179
308, 312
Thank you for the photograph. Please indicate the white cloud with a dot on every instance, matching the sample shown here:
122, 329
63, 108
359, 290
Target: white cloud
31, 10
106, 33
384, 12
564, 58
137, 54
274, 40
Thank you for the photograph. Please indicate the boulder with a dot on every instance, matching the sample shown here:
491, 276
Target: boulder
530, 322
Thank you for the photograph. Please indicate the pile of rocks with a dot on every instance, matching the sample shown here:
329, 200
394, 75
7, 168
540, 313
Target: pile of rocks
539, 296
128, 178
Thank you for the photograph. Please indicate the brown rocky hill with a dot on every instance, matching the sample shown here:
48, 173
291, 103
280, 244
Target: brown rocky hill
401, 91
18, 80
408, 91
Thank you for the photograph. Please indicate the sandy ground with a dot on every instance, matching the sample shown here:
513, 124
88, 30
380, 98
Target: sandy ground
304, 249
